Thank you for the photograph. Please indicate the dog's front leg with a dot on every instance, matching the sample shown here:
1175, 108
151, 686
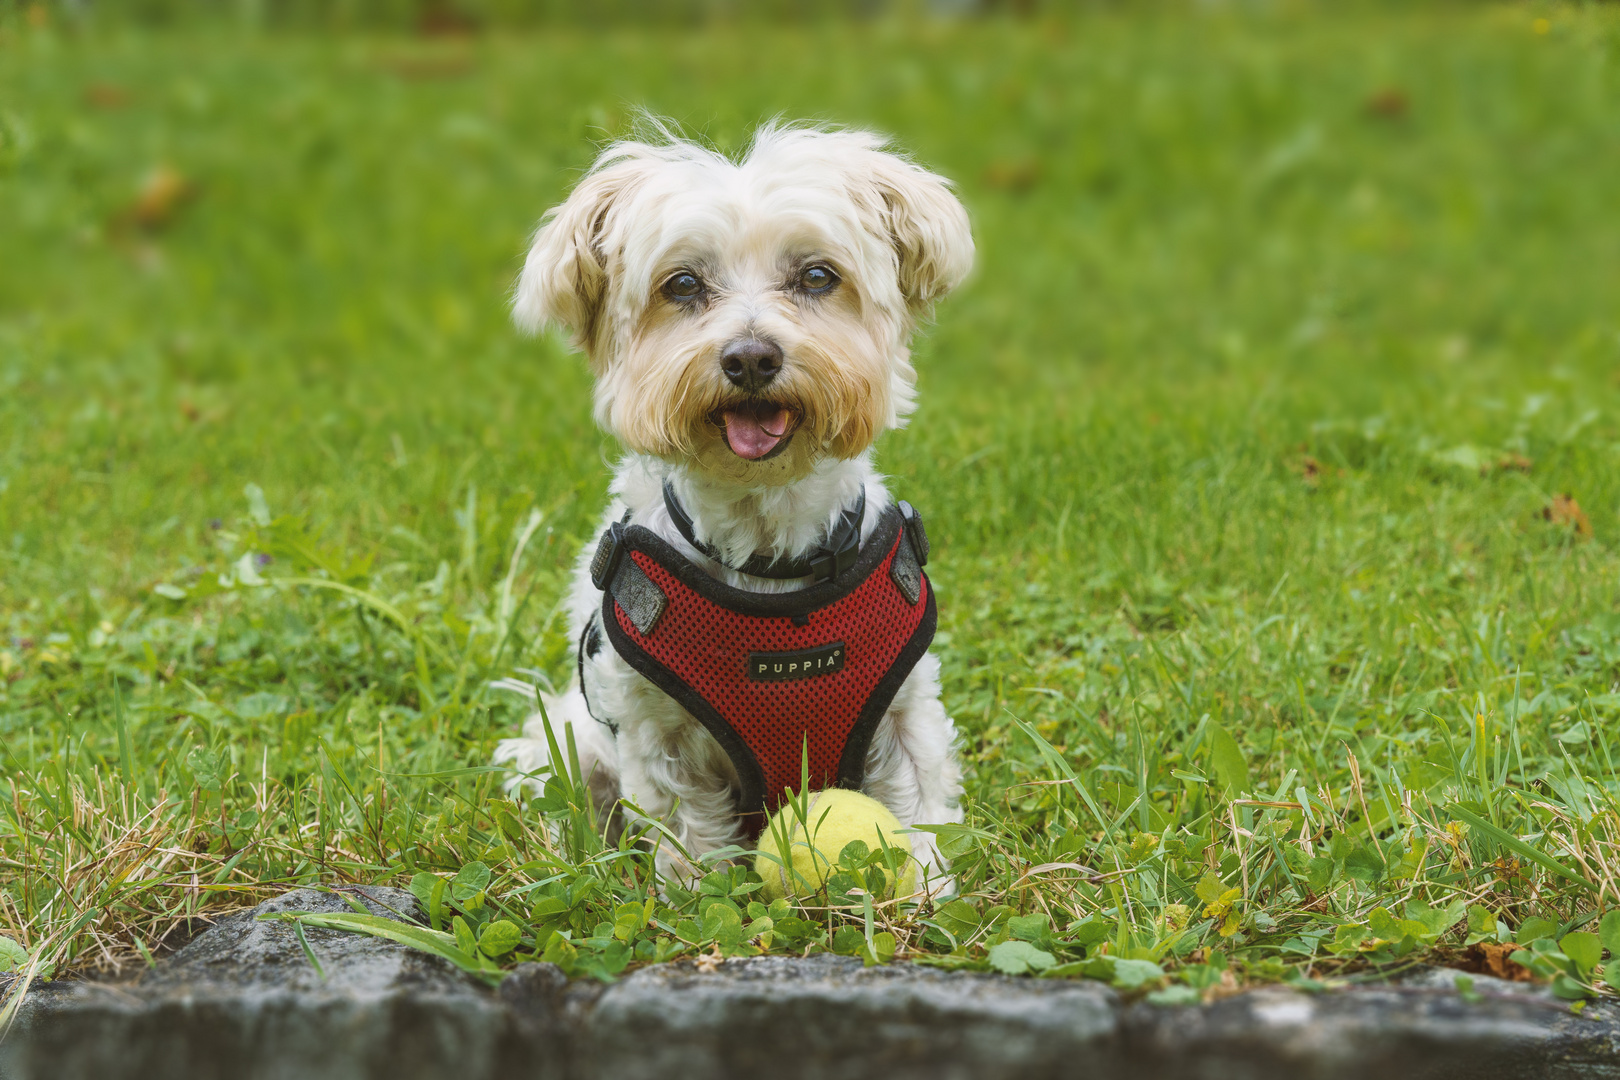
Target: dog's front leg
674, 771
530, 755
912, 769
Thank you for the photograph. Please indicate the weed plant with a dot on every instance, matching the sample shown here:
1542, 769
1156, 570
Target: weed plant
1269, 461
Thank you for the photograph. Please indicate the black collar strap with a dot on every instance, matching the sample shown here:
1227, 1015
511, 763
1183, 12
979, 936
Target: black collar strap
824, 562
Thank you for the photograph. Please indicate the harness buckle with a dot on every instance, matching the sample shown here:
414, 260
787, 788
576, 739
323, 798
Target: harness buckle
609, 552
830, 564
914, 531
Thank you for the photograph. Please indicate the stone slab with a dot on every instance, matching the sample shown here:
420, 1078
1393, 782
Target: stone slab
242, 1001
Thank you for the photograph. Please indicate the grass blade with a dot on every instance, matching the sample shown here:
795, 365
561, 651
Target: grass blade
1520, 848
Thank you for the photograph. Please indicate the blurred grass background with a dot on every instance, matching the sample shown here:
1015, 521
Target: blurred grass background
1282, 402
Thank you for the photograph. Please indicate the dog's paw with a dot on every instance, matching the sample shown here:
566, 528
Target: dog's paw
672, 866
933, 870
526, 758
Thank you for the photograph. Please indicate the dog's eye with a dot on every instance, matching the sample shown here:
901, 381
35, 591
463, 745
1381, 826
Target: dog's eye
683, 285
817, 279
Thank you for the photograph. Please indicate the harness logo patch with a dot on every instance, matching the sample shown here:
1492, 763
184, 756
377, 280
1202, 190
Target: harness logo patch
799, 664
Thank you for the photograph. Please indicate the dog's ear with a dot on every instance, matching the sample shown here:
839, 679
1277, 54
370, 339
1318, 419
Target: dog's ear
565, 277
929, 229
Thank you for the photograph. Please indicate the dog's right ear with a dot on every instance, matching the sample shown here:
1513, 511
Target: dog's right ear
565, 277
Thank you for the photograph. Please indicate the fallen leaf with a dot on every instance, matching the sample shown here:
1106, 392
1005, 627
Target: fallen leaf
442, 19
1390, 103
1514, 463
429, 65
106, 96
1017, 176
1488, 958
1564, 510
160, 195
1309, 469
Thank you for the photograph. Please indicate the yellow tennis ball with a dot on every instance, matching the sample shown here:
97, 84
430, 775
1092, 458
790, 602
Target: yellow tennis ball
819, 834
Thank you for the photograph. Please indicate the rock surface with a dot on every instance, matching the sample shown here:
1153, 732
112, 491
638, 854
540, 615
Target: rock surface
243, 1001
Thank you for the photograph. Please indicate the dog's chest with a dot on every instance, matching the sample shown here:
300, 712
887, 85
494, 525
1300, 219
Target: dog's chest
791, 685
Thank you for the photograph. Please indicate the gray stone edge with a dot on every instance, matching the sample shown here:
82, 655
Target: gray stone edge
241, 1001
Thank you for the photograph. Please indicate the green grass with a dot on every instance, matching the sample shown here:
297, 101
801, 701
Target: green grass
1239, 455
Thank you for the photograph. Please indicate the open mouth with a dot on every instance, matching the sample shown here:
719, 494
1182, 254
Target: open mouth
757, 429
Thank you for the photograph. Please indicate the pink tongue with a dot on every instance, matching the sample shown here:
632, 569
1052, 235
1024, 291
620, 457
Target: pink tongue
752, 435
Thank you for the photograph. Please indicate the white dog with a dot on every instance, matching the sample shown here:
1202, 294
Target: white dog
748, 323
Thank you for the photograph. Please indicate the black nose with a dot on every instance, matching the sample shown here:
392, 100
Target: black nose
751, 362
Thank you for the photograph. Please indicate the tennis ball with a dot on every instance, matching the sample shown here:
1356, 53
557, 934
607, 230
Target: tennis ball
834, 818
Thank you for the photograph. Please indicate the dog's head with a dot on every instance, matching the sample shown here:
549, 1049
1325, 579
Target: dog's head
750, 317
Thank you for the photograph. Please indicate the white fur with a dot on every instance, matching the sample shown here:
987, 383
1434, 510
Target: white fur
898, 239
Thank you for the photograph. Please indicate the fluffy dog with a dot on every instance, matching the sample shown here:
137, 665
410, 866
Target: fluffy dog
748, 324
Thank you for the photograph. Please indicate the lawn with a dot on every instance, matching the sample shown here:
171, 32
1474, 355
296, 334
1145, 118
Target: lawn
1269, 459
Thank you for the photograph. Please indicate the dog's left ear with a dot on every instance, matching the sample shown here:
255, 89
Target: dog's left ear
929, 228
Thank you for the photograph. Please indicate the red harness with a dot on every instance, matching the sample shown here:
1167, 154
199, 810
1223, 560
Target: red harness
770, 674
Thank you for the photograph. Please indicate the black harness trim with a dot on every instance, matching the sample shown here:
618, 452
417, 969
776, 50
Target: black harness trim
824, 563
590, 643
